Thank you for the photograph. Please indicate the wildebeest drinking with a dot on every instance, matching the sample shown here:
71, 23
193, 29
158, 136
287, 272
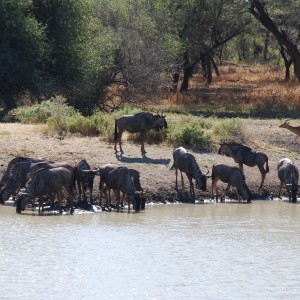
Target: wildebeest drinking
233, 176
118, 179
138, 123
288, 175
84, 177
245, 155
47, 182
187, 163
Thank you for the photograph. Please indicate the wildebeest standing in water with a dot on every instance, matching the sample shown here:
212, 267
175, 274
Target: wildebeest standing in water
47, 182
84, 177
118, 179
138, 123
233, 176
288, 174
187, 163
245, 155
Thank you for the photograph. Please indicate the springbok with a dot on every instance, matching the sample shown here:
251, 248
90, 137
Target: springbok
294, 129
187, 163
245, 155
140, 122
288, 175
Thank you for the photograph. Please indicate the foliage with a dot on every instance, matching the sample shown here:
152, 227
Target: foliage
230, 130
191, 132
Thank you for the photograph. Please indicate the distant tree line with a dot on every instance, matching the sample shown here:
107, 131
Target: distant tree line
80, 48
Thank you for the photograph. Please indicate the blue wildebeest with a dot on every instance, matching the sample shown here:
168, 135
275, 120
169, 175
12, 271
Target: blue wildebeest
288, 175
21, 172
46, 182
119, 180
84, 177
138, 123
233, 176
12, 166
186, 162
244, 155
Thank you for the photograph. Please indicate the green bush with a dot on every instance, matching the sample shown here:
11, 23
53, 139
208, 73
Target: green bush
190, 131
38, 113
230, 130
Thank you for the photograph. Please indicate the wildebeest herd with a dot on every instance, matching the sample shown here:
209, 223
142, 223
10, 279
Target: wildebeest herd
33, 182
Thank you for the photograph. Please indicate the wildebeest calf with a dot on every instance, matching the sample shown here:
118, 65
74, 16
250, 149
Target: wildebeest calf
288, 175
233, 176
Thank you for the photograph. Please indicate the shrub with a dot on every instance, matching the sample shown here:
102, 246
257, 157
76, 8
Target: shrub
38, 113
191, 132
230, 130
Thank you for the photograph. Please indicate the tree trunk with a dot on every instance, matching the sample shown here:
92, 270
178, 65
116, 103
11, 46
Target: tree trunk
258, 11
187, 73
215, 66
287, 63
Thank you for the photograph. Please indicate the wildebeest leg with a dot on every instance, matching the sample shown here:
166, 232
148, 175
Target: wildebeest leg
182, 183
143, 144
263, 175
289, 193
224, 194
176, 174
119, 141
241, 166
192, 190
91, 196
70, 198
280, 187
79, 190
214, 188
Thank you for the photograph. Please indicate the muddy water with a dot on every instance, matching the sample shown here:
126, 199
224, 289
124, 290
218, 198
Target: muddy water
208, 251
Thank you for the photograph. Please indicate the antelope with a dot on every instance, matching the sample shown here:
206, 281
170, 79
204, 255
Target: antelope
294, 129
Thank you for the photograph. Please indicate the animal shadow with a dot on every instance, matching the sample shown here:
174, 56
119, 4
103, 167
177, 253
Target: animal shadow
143, 160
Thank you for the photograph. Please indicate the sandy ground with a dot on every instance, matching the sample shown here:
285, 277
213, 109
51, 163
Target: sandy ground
157, 179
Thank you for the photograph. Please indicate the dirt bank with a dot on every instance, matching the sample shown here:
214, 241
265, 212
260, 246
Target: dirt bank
156, 177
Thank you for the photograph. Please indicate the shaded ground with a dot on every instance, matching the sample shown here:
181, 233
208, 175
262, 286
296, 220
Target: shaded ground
156, 177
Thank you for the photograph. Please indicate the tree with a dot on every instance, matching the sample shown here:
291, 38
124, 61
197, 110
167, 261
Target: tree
24, 51
285, 39
203, 26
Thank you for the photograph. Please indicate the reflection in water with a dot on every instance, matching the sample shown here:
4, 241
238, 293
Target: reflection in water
208, 251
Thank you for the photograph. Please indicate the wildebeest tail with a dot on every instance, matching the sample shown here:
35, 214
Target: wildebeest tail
116, 131
267, 165
173, 166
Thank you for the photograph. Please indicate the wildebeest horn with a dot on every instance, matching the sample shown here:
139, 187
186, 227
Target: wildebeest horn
207, 172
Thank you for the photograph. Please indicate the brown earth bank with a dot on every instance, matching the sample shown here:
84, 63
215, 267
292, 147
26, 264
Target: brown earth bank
157, 180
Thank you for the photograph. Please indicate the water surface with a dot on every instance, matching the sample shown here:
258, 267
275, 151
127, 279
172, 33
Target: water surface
178, 251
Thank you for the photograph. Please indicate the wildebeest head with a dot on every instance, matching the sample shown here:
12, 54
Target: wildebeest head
22, 200
225, 149
160, 122
201, 180
4, 194
136, 201
245, 193
88, 177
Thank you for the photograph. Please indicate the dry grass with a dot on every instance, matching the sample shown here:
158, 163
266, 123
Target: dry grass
243, 89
